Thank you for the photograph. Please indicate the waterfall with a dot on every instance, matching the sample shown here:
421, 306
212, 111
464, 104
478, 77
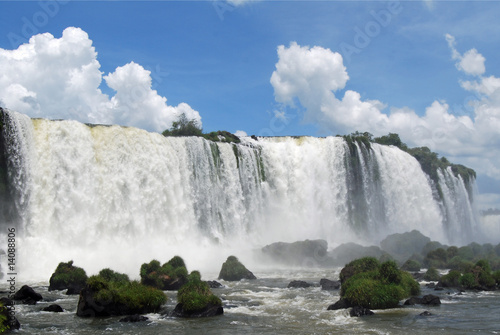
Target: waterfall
111, 196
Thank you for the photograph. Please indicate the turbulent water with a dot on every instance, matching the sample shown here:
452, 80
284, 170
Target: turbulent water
266, 306
110, 196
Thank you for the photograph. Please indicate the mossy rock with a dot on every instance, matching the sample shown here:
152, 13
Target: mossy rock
68, 277
451, 279
377, 288
411, 265
234, 270
168, 277
195, 299
432, 274
360, 265
101, 298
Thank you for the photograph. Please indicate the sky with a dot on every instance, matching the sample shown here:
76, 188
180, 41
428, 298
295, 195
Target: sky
427, 70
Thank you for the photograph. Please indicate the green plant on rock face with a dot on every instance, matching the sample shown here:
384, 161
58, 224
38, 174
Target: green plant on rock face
411, 265
196, 295
390, 272
112, 276
451, 279
357, 266
496, 276
176, 262
468, 281
67, 274
4, 319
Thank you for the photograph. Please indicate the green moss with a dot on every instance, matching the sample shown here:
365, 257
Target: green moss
112, 276
163, 276
233, 270
364, 264
379, 288
196, 295
133, 295
4, 319
67, 275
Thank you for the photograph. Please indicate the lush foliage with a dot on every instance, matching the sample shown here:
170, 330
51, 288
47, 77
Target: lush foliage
234, 270
68, 275
364, 264
411, 265
185, 127
4, 319
478, 276
196, 294
463, 258
112, 276
135, 296
163, 276
432, 274
376, 286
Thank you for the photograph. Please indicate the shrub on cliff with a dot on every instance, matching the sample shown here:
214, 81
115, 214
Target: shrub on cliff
68, 277
234, 270
377, 288
411, 265
432, 274
364, 264
169, 276
477, 277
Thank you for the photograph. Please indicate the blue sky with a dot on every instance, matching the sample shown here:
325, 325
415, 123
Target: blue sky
214, 61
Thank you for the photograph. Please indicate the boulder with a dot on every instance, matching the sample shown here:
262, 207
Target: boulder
10, 320
403, 246
53, 308
208, 311
68, 277
300, 253
298, 284
329, 285
341, 304
234, 270
425, 313
357, 311
27, 295
428, 299
134, 318
214, 284
348, 252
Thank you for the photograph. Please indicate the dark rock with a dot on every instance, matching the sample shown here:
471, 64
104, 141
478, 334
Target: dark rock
208, 311
234, 270
341, 304
53, 308
311, 253
431, 299
439, 288
430, 285
27, 295
329, 285
68, 277
254, 137
403, 246
428, 299
298, 284
348, 252
134, 318
214, 284
357, 311
425, 313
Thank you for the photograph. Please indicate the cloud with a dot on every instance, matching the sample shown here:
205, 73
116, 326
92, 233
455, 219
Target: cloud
59, 78
471, 62
314, 77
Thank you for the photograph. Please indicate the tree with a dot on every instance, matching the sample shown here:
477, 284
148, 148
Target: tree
184, 127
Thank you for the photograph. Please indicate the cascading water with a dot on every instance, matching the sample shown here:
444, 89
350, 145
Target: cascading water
110, 196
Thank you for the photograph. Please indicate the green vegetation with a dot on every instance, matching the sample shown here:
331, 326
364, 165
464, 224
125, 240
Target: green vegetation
478, 277
196, 294
411, 265
4, 319
67, 276
462, 259
169, 276
185, 127
112, 276
234, 270
432, 274
369, 284
132, 297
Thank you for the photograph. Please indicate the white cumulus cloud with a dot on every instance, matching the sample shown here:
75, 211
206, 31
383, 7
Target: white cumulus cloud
315, 76
59, 78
